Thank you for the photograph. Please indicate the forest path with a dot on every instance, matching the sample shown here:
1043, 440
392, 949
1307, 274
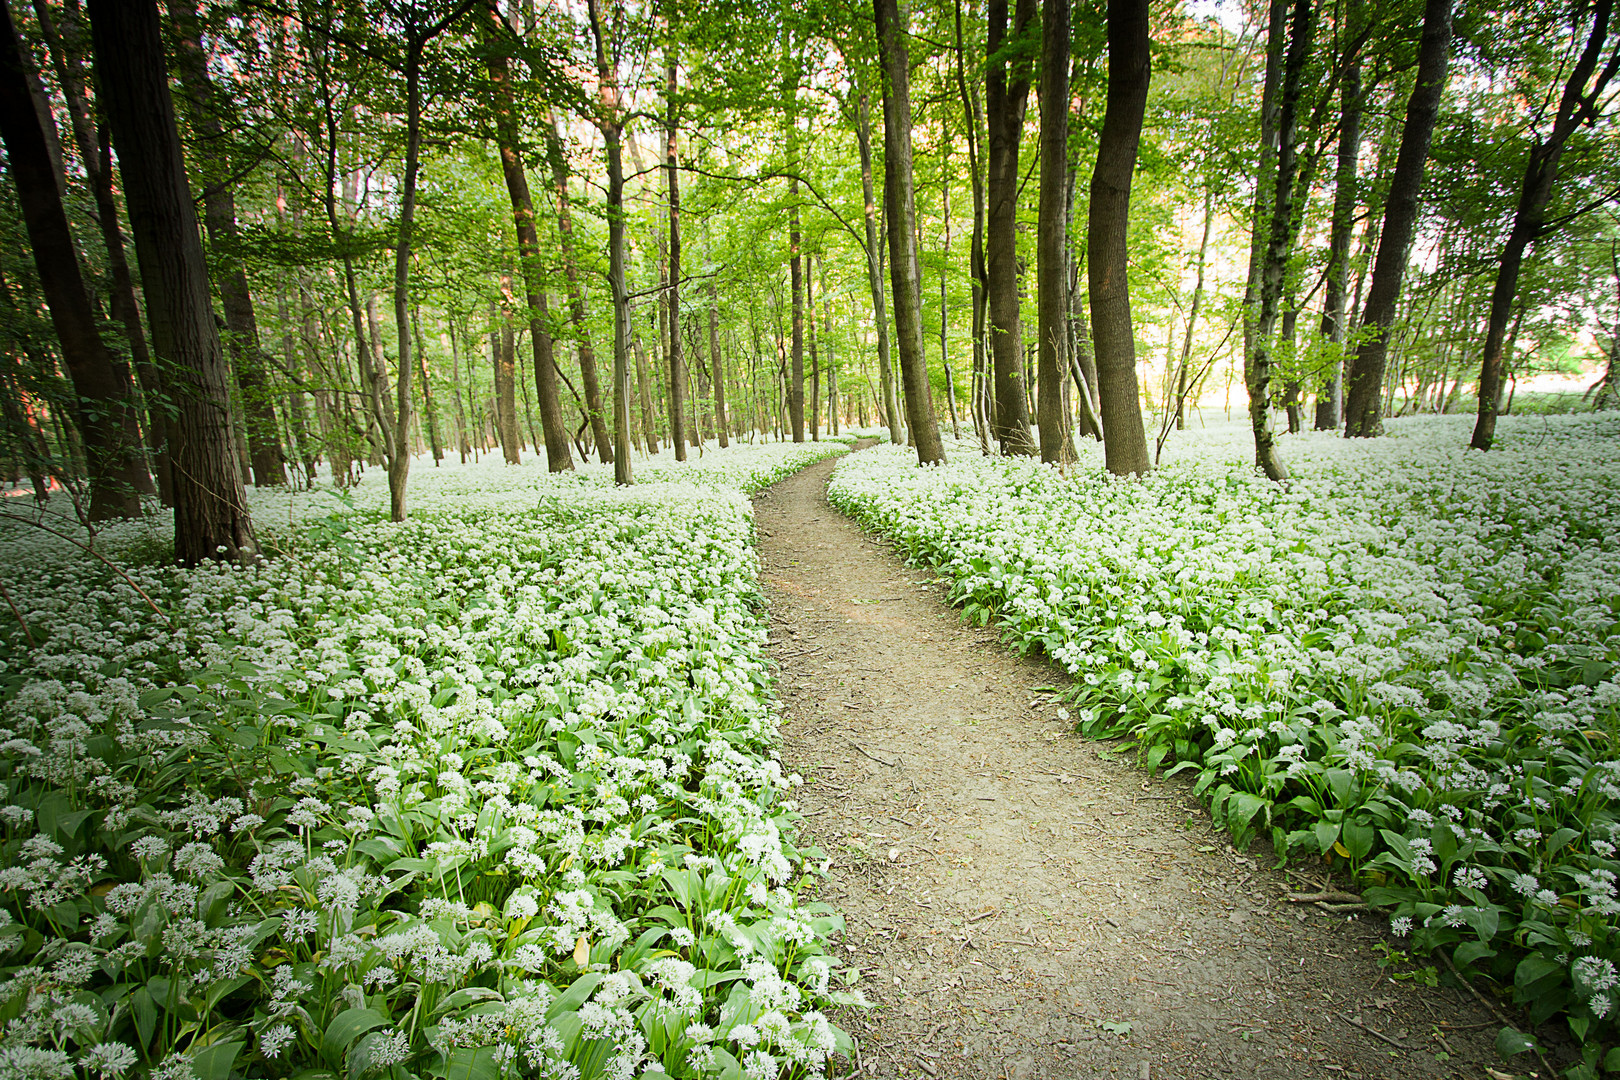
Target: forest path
1024, 903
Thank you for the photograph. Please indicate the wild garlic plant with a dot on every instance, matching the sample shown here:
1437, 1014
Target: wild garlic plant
1404, 661
491, 793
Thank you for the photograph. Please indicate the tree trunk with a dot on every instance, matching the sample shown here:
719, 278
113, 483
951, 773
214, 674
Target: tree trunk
813, 418
720, 422
1052, 237
576, 299
1330, 395
427, 390
219, 215
977, 396
69, 50
905, 275
210, 507
1278, 246
503, 349
1113, 334
399, 461
1577, 105
874, 272
1006, 95
1366, 377
558, 456
102, 401
611, 124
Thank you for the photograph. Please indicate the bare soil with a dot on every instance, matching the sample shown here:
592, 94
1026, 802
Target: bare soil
1025, 903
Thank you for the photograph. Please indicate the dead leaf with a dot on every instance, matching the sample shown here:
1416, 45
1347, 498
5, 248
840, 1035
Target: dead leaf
582, 951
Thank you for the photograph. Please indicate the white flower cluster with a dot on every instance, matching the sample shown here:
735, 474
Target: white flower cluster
495, 785
1408, 658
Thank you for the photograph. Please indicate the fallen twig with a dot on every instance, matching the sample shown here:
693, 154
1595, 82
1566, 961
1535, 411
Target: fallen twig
1375, 1033
1329, 896
880, 761
980, 915
1487, 1006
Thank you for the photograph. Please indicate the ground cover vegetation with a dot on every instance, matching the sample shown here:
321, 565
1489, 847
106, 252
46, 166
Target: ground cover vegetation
491, 794
1403, 664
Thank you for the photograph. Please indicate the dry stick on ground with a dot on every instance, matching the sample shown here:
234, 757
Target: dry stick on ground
880, 761
28, 635
1374, 1033
1490, 1008
92, 551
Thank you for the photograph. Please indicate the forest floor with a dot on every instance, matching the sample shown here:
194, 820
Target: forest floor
1024, 903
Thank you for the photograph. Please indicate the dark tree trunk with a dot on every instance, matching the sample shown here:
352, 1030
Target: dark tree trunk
102, 401
1366, 378
69, 50
905, 275
719, 368
1114, 336
210, 507
1278, 246
1052, 239
874, 272
1577, 105
978, 397
219, 216
1005, 98
559, 458
1330, 394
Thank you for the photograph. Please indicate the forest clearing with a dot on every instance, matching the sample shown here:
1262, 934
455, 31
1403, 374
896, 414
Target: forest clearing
609, 539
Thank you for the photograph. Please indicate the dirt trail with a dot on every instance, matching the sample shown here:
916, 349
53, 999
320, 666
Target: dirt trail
1024, 903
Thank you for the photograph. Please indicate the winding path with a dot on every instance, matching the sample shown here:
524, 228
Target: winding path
1024, 903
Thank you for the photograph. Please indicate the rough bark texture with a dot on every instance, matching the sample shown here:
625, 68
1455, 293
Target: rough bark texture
219, 216
1005, 98
1114, 337
1366, 377
559, 458
899, 196
1052, 239
874, 272
210, 507
1578, 104
1278, 247
103, 403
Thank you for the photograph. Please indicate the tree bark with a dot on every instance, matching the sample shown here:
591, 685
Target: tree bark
1006, 95
672, 298
1577, 105
1052, 237
874, 272
1366, 377
1113, 335
719, 378
1330, 395
796, 272
503, 351
611, 123
899, 196
972, 118
102, 401
559, 458
219, 216
576, 299
210, 507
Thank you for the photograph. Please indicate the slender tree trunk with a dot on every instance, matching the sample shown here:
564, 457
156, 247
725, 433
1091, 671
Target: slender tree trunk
503, 347
576, 299
814, 416
427, 390
1578, 104
210, 507
1330, 395
1114, 335
102, 399
796, 272
1279, 245
905, 275
463, 443
611, 124
672, 299
219, 215
1052, 238
720, 422
1366, 377
1005, 99
972, 119
874, 272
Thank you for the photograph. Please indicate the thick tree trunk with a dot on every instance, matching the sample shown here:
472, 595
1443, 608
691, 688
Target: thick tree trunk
1113, 334
1278, 246
103, 405
905, 274
1330, 393
1006, 95
559, 458
210, 507
1578, 104
1052, 238
874, 272
219, 216
1366, 377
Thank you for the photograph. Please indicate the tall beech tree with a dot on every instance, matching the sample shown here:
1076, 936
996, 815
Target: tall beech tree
874, 268
609, 121
1336, 276
211, 518
559, 458
103, 405
1052, 256
1113, 334
1008, 72
900, 205
1581, 102
1363, 408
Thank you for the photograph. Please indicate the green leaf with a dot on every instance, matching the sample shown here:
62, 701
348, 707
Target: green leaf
1326, 833
145, 1010
471, 1063
1358, 839
1511, 1041
346, 1027
1534, 968
214, 1062
1471, 951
